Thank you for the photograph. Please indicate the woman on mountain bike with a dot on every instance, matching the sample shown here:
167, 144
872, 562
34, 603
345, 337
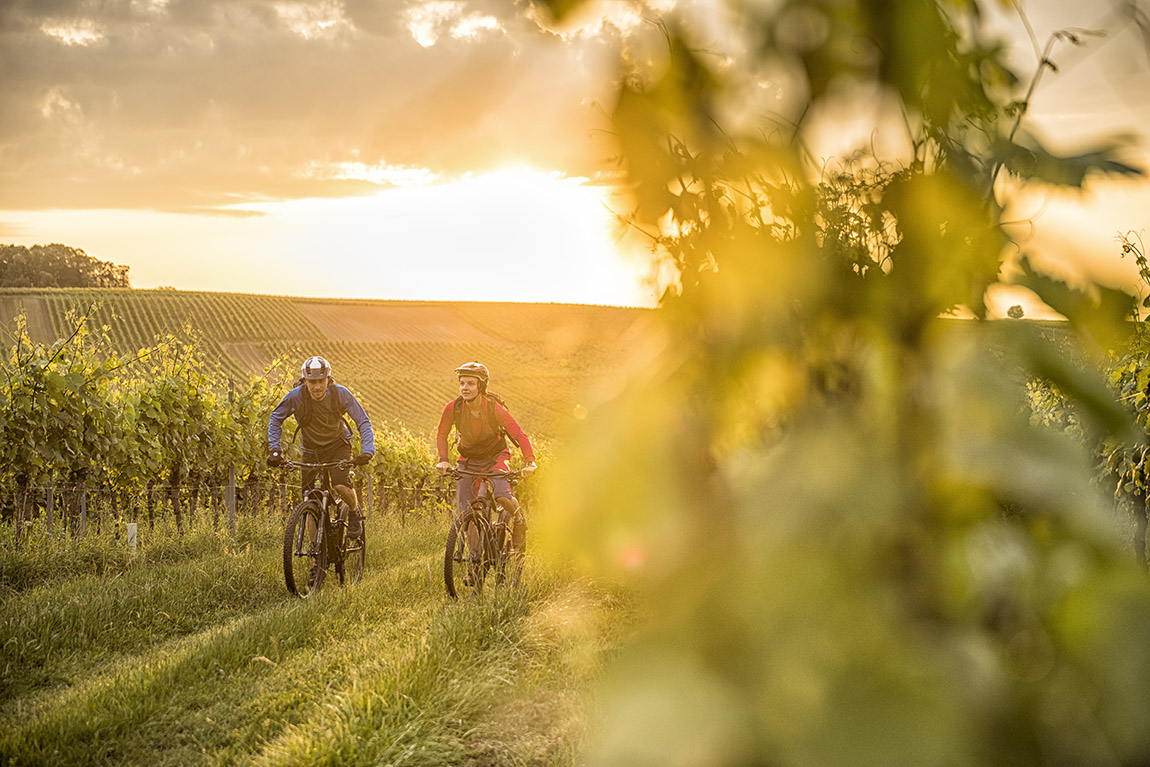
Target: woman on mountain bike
482, 425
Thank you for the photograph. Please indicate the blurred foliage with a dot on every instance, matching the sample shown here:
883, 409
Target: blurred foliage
858, 546
1120, 455
1121, 458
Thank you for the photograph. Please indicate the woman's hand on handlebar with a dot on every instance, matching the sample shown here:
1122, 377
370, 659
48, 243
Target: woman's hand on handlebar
443, 467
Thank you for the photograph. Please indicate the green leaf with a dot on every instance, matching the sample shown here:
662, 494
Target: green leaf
1029, 160
1101, 317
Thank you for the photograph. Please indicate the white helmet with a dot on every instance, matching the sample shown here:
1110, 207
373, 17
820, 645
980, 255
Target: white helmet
315, 369
473, 369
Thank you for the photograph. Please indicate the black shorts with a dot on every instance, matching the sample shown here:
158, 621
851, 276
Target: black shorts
336, 452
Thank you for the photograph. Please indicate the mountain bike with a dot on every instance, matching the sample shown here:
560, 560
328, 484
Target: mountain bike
314, 540
479, 540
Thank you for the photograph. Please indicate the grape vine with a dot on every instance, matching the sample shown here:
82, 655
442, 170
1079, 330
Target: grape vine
86, 416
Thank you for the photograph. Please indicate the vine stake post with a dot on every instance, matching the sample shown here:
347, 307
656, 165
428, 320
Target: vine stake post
231, 498
231, 494
132, 527
49, 507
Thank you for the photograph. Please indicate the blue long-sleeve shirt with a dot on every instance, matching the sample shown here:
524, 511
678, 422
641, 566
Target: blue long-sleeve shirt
325, 426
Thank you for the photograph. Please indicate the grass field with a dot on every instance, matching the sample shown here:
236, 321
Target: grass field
547, 360
191, 652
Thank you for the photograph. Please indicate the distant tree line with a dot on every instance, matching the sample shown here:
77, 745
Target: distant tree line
57, 266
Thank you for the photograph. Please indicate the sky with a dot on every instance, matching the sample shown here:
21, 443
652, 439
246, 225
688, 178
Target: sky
406, 149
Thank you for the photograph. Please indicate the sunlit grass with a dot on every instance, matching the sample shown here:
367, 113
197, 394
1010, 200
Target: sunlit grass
40, 558
205, 659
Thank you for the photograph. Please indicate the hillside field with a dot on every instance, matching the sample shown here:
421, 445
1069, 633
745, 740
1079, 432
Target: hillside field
547, 360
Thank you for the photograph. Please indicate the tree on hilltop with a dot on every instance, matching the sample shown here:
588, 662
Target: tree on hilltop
57, 266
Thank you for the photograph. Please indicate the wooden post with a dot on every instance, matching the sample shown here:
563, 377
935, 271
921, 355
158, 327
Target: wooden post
230, 495
177, 508
231, 492
150, 500
368, 499
193, 498
49, 507
24, 491
83, 508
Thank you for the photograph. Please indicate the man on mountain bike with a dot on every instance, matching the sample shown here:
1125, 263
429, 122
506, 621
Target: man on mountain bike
319, 405
482, 426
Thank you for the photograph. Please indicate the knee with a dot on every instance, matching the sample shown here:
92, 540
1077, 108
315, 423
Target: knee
511, 506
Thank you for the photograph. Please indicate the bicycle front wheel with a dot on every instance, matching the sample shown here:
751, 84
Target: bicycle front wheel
304, 561
464, 559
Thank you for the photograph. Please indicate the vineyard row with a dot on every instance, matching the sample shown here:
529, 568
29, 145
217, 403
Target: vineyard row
79, 510
78, 413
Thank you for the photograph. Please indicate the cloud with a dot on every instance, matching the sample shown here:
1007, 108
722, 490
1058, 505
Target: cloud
195, 103
429, 21
310, 20
73, 33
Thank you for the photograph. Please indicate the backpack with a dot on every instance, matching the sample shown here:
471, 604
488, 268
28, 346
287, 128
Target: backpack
304, 412
496, 444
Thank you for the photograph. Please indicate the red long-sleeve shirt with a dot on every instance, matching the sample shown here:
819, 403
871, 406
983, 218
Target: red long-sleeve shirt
475, 429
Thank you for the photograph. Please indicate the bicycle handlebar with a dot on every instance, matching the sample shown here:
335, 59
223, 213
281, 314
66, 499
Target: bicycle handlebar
457, 473
340, 464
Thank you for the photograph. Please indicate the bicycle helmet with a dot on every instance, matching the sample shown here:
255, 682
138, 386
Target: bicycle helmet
315, 369
473, 369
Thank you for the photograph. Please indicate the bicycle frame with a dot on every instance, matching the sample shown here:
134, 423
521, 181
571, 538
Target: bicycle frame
490, 531
328, 547
322, 493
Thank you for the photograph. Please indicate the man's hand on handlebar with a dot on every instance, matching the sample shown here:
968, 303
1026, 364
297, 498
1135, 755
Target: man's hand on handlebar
361, 459
528, 469
443, 467
275, 459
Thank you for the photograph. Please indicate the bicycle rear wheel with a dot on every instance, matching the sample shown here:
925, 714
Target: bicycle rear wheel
304, 562
354, 555
464, 559
510, 565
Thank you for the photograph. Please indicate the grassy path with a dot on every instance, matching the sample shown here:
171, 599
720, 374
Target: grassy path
206, 660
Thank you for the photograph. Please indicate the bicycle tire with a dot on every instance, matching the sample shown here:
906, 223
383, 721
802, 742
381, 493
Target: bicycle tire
459, 561
354, 552
305, 563
510, 566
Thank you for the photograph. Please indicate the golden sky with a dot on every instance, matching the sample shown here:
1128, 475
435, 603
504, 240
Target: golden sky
397, 148
440, 149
